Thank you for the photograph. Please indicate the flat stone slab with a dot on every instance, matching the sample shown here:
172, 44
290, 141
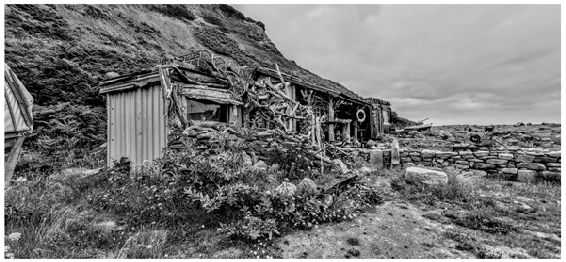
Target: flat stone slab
425, 176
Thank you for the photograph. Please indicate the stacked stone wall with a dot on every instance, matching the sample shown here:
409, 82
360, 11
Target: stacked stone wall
512, 164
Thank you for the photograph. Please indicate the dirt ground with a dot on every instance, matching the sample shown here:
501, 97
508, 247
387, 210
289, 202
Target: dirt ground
402, 228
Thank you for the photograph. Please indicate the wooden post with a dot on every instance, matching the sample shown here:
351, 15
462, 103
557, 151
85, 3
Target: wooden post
12, 160
331, 119
346, 132
355, 125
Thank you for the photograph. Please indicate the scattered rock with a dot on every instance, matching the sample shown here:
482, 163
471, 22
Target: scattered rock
425, 176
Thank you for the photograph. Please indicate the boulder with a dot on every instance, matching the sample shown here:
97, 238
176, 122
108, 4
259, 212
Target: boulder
526, 175
306, 187
421, 175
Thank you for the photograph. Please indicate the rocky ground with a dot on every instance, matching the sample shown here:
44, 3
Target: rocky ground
462, 215
525, 224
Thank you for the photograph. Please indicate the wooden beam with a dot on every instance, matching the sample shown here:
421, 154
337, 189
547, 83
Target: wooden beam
331, 119
221, 96
10, 164
346, 132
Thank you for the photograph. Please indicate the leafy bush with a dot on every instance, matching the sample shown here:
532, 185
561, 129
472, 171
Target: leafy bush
65, 135
294, 161
240, 199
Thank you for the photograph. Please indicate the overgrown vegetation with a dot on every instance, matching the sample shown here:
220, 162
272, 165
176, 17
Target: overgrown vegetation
95, 212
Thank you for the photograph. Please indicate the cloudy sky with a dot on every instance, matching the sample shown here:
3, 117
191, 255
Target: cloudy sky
457, 64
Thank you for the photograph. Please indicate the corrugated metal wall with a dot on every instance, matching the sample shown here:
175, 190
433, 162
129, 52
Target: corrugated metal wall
137, 125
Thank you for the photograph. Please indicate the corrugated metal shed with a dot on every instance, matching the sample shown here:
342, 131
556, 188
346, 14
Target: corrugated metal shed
137, 124
17, 107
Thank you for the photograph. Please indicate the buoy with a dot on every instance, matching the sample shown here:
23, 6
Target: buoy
361, 115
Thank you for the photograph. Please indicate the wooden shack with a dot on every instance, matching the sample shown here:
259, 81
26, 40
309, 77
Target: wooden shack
203, 88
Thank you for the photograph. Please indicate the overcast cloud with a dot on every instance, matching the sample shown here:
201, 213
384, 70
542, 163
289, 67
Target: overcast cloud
456, 64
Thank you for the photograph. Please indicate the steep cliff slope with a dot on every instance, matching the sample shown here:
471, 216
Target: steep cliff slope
62, 51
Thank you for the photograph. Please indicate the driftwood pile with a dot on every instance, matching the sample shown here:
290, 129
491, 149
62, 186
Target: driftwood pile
259, 142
